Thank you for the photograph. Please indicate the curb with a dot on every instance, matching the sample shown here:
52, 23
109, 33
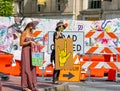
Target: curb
62, 87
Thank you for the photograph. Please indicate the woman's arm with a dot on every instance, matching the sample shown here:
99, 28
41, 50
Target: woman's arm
58, 35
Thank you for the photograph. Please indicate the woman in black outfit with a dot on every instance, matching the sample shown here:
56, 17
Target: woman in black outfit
57, 34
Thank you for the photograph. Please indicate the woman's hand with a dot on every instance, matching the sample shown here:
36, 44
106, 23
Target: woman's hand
38, 43
33, 42
59, 33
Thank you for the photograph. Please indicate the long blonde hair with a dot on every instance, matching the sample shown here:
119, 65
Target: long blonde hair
28, 25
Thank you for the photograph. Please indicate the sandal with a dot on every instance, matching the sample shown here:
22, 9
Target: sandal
56, 82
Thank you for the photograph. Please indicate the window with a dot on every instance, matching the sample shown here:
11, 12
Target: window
38, 7
61, 5
20, 4
58, 5
94, 4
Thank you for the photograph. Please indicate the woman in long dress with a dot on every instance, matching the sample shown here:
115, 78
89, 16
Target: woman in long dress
28, 72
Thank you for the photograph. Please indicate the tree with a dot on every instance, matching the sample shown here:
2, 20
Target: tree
6, 7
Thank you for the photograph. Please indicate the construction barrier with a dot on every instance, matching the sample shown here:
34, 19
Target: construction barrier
6, 63
101, 64
7, 68
97, 63
101, 32
112, 75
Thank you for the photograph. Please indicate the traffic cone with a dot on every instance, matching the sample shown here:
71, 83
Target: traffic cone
81, 59
77, 61
82, 77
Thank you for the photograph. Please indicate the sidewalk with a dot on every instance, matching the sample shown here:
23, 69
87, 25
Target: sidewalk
95, 84
14, 84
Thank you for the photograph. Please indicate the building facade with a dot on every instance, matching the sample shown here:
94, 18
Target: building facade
100, 9
69, 9
53, 9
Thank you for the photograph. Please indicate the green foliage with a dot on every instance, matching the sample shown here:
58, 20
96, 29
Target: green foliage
6, 7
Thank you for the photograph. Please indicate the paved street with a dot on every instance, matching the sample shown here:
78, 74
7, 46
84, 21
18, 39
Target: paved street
94, 84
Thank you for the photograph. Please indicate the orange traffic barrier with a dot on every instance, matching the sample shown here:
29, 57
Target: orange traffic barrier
49, 70
16, 70
83, 74
107, 57
114, 58
6, 63
93, 58
82, 77
112, 75
38, 71
95, 65
98, 72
